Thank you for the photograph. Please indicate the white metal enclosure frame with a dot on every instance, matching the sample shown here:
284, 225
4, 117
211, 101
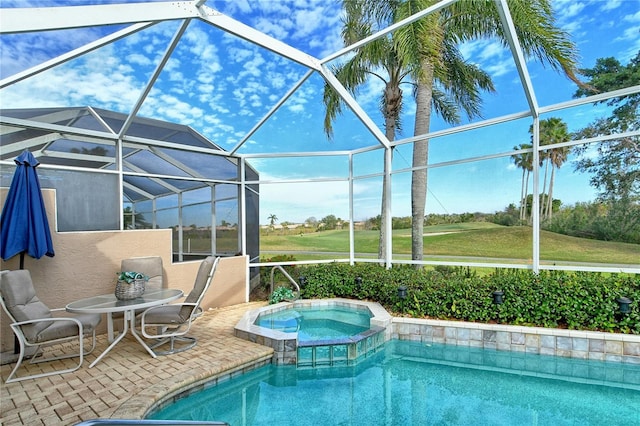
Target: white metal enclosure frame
139, 16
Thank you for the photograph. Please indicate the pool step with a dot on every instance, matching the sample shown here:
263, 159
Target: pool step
340, 352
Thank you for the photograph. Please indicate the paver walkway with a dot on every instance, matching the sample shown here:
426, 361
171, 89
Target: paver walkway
127, 381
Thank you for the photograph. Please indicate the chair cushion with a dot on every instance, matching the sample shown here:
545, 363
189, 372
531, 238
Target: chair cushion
60, 329
166, 314
22, 303
198, 286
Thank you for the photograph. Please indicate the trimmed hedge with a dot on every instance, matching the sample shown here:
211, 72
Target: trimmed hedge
553, 299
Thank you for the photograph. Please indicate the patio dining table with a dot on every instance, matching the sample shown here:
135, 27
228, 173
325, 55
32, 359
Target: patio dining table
108, 304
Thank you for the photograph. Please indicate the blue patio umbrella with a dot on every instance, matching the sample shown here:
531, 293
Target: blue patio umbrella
24, 225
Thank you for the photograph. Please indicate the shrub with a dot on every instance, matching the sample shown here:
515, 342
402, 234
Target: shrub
281, 294
574, 300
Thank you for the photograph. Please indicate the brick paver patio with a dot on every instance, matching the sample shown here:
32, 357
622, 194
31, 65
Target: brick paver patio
127, 381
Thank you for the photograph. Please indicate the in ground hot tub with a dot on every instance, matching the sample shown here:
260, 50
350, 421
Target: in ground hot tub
317, 332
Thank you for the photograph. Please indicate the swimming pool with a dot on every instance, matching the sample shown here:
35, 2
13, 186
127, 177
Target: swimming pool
409, 383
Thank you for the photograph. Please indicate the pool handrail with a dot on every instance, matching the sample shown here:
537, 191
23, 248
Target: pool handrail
286, 274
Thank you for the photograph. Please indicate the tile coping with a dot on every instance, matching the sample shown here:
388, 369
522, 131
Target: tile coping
558, 332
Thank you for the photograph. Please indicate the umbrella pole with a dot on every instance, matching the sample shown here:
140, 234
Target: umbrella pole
16, 343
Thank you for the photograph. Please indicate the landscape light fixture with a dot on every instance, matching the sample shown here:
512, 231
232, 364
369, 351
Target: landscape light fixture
303, 281
623, 304
402, 292
358, 281
497, 297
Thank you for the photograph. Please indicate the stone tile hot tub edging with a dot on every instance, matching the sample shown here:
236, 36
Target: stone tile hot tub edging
285, 345
535, 340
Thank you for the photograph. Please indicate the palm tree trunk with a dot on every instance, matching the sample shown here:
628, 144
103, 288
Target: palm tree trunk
383, 217
526, 194
420, 160
391, 111
522, 195
544, 186
382, 244
550, 198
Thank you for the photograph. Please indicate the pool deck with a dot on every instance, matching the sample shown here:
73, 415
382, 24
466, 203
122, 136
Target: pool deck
127, 381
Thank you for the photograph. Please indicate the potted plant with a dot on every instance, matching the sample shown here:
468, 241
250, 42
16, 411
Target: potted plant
281, 294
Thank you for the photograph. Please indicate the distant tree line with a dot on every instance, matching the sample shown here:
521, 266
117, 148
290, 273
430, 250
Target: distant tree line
327, 223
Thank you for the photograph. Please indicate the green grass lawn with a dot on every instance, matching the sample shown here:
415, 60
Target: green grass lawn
468, 239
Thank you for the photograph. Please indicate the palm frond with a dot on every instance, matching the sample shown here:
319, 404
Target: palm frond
538, 34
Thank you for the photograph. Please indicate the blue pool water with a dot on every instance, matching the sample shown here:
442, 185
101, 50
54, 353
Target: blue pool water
409, 383
316, 324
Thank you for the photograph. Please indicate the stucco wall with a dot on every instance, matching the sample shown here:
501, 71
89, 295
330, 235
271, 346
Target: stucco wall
85, 264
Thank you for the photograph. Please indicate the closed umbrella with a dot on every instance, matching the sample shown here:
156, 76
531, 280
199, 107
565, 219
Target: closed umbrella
24, 225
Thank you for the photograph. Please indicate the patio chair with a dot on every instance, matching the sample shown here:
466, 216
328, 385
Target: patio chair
172, 322
34, 325
151, 266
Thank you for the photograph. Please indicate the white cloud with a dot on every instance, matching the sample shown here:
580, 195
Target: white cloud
566, 9
276, 80
572, 27
230, 7
570, 16
277, 30
255, 101
635, 17
501, 68
206, 79
491, 50
610, 5
631, 38
482, 50
308, 21
173, 108
136, 58
101, 83
297, 107
239, 55
19, 52
630, 34
300, 99
252, 66
281, 7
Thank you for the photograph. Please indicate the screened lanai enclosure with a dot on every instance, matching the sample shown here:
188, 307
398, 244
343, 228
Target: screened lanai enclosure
180, 180
210, 118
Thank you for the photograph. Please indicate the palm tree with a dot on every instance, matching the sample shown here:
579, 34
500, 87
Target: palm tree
429, 47
525, 162
380, 59
377, 59
553, 131
272, 220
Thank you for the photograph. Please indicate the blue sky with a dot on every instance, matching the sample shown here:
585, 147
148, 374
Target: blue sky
222, 86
